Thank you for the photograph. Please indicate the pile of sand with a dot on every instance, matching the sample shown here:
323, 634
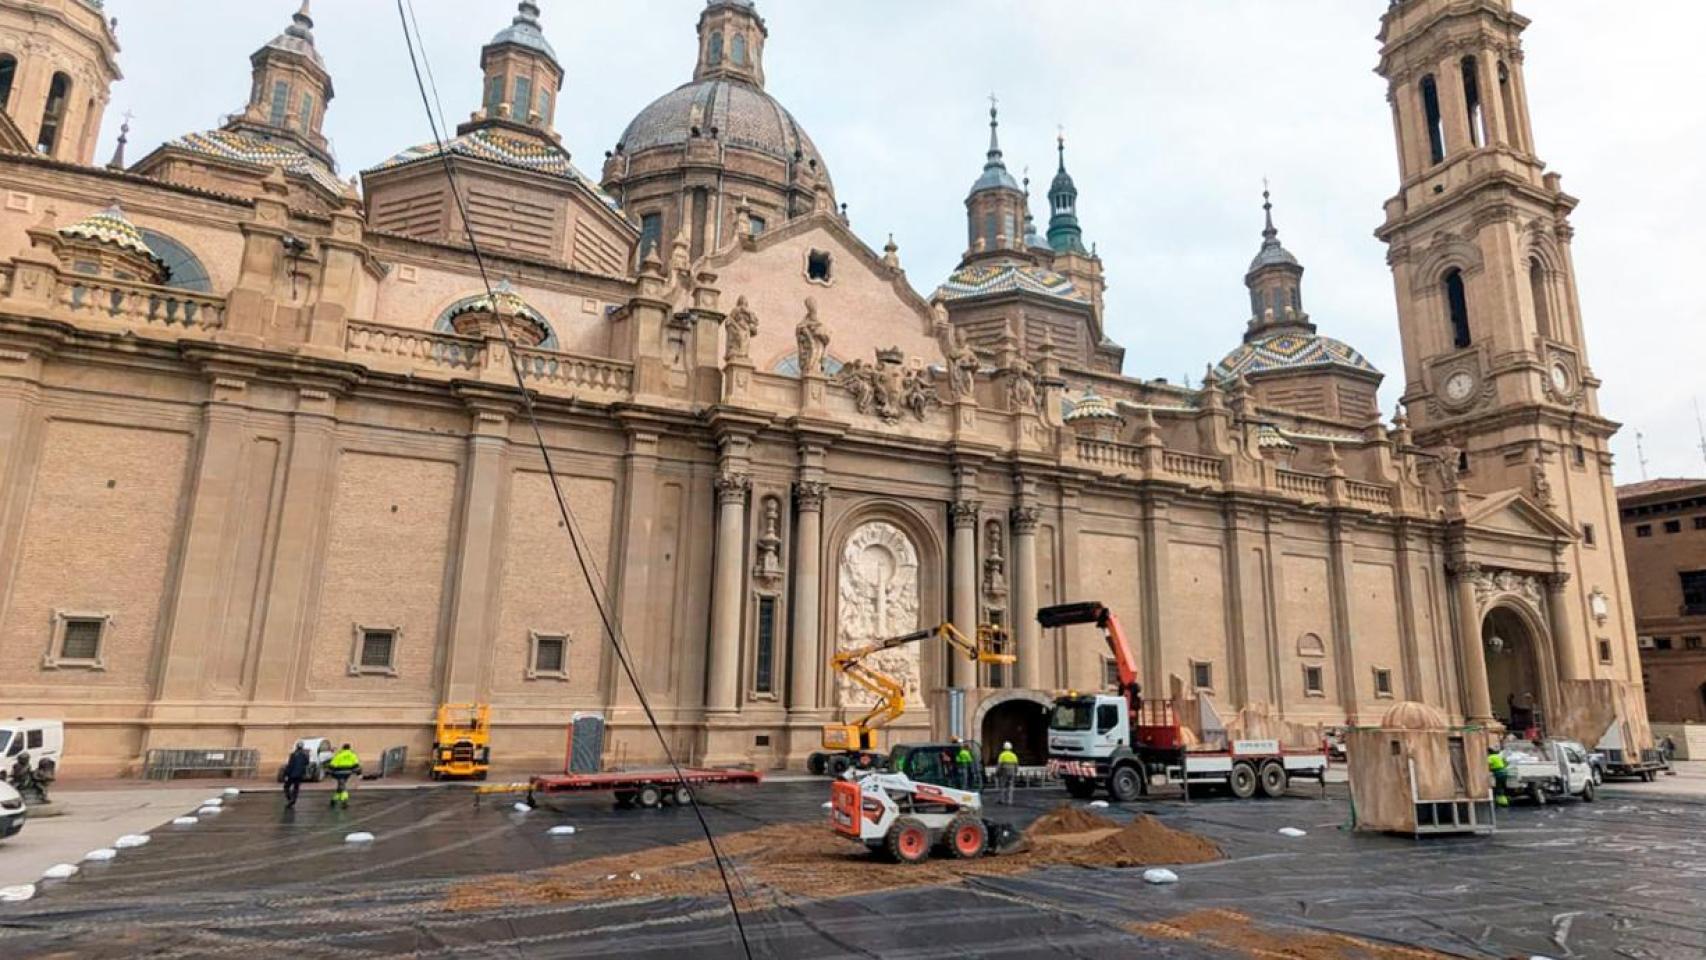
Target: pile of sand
1234, 931
811, 861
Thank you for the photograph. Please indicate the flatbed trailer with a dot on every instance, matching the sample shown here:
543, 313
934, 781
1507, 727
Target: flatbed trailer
641, 788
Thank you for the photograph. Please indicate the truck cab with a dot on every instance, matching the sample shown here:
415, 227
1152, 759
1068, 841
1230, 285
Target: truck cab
1088, 726
1548, 770
43, 740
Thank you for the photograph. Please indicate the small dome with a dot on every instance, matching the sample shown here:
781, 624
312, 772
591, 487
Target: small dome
298, 38
741, 114
110, 226
1273, 254
981, 280
1268, 437
1091, 408
1411, 715
1292, 350
525, 31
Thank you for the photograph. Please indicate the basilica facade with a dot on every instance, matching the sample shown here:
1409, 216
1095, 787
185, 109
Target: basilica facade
265, 471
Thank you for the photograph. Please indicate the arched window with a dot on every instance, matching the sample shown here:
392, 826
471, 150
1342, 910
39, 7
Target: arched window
714, 48
1472, 101
184, 269
737, 50
1542, 303
1507, 99
53, 115
8, 73
1436, 123
1457, 307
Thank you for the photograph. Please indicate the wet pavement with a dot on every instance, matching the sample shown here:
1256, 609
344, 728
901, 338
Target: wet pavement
1619, 878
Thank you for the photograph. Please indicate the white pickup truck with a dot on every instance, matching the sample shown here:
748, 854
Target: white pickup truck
1548, 770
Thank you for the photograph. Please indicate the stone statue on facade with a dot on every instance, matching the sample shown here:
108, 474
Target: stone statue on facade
740, 326
768, 569
813, 340
1542, 485
962, 360
1022, 386
889, 388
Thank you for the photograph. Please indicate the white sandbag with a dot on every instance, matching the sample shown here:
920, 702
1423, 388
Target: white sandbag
132, 840
1099, 804
207, 811
17, 894
1160, 875
59, 871
105, 853
522, 807
185, 821
213, 802
828, 806
1293, 832
361, 836
232, 791
562, 831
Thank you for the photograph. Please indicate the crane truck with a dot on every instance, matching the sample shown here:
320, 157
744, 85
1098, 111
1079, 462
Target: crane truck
849, 746
1118, 742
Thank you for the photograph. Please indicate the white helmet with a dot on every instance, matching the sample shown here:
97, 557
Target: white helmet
1007, 745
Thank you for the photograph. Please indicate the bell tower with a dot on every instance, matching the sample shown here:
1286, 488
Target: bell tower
1496, 371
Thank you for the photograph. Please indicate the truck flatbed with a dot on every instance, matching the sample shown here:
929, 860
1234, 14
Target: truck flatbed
645, 788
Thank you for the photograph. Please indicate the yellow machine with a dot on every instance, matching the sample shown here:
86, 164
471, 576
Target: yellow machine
853, 744
462, 744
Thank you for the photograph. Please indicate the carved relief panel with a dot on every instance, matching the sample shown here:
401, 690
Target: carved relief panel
879, 597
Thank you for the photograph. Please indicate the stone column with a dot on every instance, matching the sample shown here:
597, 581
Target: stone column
1477, 699
479, 559
964, 514
210, 541
1566, 646
805, 652
1024, 615
722, 689
633, 585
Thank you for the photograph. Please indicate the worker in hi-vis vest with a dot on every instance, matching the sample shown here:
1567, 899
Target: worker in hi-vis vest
1496, 766
343, 765
1006, 771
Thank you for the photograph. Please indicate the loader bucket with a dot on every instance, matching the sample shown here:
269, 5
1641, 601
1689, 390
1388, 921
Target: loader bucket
1003, 838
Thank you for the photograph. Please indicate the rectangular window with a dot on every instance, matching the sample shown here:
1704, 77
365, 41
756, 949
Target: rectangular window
1673, 526
1691, 643
1314, 684
757, 225
651, 233
280, 101
1202, 675
523, 100
1110, 674
549, 655
1581, 456
1589, 536
1604, 651
1693, 591
764, 665
1643, 530
33, 739
1661, 643
374, 651
494, 94
1436, 124
1700, 523
82, 640
544, 107
305, 122
1382, 683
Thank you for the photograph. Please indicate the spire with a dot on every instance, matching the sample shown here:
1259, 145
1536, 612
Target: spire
117, 162
1275, 280
302, 24
1064, 233
1269, 233
995, 175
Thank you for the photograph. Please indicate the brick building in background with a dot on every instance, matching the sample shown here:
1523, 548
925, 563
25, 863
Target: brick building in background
1664, 537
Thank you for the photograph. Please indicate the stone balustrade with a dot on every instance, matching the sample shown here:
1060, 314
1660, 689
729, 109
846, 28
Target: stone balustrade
575, 373
463, 356
127, 302
424, 347
1190, 466
1306, 486
1116, 457
1369, 494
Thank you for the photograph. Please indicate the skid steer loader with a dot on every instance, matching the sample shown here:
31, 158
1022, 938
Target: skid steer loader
892, 814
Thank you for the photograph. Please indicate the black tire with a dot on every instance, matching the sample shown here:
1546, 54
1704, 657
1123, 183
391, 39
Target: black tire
624, 799
1647, 776
1243, 781
682, 796
1537, 794
814, 765
908, 841
1079, 788
1125, 784
1589, 793
838, 764
1274, 780
481, 775
649, 797
966, 837
435, 775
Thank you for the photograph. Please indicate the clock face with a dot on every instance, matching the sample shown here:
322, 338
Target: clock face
1561, 378
1459, 385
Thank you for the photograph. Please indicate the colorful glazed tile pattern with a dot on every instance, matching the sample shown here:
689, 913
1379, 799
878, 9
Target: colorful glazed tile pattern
1291, 351
985, 279
247, 148
524, 153
110, 226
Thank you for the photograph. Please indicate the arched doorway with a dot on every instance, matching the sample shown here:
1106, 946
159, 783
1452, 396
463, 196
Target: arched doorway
1021, 721
1513, 670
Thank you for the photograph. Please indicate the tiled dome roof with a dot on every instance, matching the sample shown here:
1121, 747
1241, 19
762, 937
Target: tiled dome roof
522, 152
741, 114
1092, 406
110, 226
248, 148
1292, 351
984, 279
525, 31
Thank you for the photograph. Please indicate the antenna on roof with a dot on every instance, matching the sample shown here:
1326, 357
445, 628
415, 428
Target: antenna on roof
1641, 452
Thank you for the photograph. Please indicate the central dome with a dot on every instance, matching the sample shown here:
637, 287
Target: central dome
735, 112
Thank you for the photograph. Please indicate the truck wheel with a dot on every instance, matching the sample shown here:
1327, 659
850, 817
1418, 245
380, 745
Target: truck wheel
1243, 781
1274, 780
967, 838
1079, 788
1647, 776
1588, 792
908, 841
837, 765
683, 796
1124, 784
1537, 794
624, 799
814, 764
649, 796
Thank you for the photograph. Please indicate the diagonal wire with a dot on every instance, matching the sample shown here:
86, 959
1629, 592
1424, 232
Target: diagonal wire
588, 570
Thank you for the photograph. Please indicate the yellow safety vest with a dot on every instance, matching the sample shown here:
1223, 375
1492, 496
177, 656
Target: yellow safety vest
1007, 758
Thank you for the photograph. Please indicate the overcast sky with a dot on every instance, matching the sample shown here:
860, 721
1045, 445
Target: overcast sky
1174, 112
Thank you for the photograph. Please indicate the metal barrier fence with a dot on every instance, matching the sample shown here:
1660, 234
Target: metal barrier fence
165, 764
394, 760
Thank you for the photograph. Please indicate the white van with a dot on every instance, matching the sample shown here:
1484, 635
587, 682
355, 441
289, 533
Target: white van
12, 811
43, 740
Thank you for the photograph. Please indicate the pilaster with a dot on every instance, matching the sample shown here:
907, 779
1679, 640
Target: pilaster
1028, 633
475, 589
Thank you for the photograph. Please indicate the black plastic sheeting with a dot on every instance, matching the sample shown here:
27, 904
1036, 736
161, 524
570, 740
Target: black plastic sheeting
1619, 878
